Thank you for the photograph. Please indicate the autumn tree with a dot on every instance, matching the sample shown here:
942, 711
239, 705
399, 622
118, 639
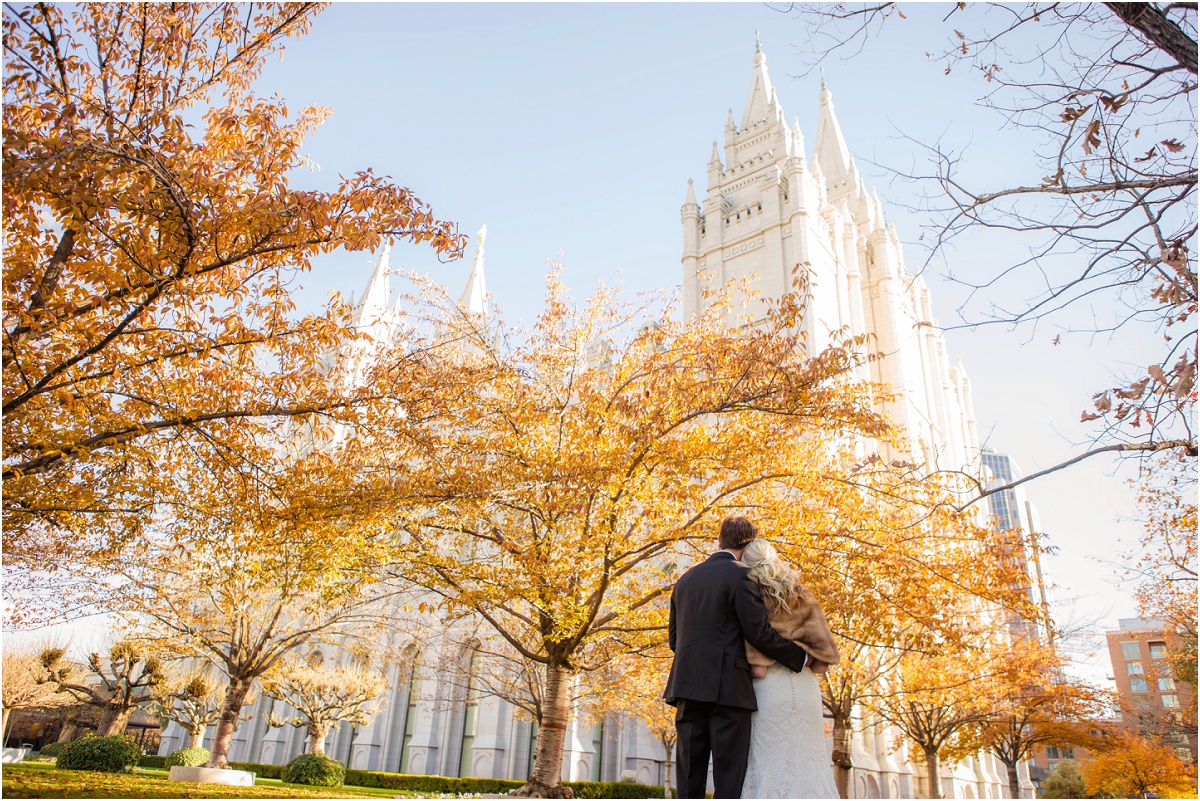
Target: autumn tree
324, 696
934, 701
1130, 766
152, 237
247, 582
1033, 706
27, 684
577, 459
1064, 781
883, 550
1105, 201
129, 676
583, 453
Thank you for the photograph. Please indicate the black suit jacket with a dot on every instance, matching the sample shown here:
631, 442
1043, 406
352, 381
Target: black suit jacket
714, 606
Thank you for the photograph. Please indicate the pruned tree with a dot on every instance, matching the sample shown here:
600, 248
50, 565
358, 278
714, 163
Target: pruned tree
152, 235
194, 699
26, 684
1106, 202
130, 676
324, 696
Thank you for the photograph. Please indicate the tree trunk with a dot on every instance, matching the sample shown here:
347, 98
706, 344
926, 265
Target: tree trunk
4, 724
546, 779
933, 773
1014, 782
316, 738
841, 754
196, 738
69, 730
669, 748
231, 712
113, 720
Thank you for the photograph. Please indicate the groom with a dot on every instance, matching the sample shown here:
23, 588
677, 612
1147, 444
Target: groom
714, 607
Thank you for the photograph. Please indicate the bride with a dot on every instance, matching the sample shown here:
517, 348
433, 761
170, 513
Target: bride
788, 754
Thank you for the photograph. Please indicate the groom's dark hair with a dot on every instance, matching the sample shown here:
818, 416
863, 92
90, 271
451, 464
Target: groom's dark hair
736, 532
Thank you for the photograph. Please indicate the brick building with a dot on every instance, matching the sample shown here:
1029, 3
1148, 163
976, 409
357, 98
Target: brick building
1152, 700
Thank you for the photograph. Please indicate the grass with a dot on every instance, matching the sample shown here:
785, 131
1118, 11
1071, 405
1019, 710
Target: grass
46, 781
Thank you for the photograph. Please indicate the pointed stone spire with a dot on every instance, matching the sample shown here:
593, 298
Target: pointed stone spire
716, 154
690, 200
373, 305
830, 150
877, 210
797, 137
761, 100
474, 294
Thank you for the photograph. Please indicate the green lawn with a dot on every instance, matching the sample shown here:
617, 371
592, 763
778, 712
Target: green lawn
46, 781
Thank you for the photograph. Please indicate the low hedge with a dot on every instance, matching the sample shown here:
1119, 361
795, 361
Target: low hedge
262, 771
159, 762
429, 784
446, 784
466, 786
615, 790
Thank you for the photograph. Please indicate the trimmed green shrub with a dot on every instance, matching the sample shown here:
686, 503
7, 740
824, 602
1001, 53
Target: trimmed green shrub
468, 786
429, 784
262, 771
315, 770
187, 757
51, 749
108, 754
615, 790
153, 762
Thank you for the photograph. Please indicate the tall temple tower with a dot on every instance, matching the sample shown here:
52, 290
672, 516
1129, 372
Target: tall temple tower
769, 208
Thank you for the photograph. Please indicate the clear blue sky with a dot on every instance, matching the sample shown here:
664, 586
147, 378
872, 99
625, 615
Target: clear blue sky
575, 127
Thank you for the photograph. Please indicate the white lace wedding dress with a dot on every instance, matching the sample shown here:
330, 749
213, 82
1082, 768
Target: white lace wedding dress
789, 757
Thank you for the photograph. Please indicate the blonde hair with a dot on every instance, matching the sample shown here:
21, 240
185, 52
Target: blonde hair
777, 580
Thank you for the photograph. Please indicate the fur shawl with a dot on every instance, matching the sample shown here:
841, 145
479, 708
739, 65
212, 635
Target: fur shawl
804, 624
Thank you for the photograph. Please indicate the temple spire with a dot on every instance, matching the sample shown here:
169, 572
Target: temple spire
373, 305
474, 294
690, 200
761, 100
830, 150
